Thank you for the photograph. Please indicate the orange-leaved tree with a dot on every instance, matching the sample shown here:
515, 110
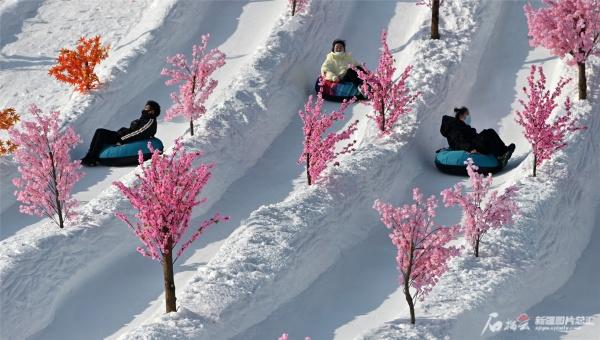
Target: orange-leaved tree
8, 118
76, 67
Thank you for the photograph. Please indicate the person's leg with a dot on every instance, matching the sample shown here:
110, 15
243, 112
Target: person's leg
101, 138
492, 142
352, 77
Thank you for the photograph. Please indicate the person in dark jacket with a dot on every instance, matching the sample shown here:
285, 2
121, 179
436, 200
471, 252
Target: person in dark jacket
461, 136
139, 129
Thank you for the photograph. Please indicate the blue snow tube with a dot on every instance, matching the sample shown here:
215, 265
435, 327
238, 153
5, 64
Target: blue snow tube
338, 92
127, 154
453, 162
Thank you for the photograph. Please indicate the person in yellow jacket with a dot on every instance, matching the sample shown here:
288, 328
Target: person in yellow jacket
336, 66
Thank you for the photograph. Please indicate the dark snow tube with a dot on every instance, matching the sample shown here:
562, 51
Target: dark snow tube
453, 162
338, 92
127, 154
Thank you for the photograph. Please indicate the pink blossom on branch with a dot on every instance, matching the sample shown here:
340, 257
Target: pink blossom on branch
319, 150
164, 196
285, 336
389, 98
195, 81
570, 29
422, 256
483, 210
545, 137
298, 6
47, 172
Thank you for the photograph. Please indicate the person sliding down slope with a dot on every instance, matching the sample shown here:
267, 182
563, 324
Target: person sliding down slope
139, 129
335, 67
461, 136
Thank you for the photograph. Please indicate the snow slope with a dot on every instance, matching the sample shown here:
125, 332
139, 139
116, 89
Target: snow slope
282, 248
528, 261
311, 261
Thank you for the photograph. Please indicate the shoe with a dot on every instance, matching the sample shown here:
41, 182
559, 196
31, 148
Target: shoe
88, 162
503, 159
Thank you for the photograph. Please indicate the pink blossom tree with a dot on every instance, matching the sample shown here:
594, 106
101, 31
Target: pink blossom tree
47, 172
569, 29
435, 15
298, 6
545, 137
285, 336
483, 210
389, 98
195, 81
164, 195
422, 256
319, 150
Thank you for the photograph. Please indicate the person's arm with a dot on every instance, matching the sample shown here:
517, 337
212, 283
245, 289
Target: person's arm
327, 70
140, 129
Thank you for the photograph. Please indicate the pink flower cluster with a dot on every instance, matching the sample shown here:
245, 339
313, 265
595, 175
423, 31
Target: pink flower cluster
319, 150
566, 27
47, 172
284, 336
164, 196
483, 210
195, 79
422, 255
389, 98
545, 137
298, 6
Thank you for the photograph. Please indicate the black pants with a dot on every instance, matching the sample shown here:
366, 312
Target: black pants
352, 77
102, 138
490, 143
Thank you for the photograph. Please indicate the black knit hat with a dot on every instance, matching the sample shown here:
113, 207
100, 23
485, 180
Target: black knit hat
155, 107
338, 41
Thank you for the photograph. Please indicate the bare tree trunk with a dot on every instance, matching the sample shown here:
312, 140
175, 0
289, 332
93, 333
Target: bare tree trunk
308, 169
534, 164
435, 19
582, 81
61, 222
409, 300
294, 7
170, 299
477, 247
191, 127
382, 113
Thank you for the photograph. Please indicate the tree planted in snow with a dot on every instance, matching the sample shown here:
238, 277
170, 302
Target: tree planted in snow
194, 77
47, 174
319, 150
570, 29
545, 136
8, 118
76, 67
298, 6
164, 195
435, 15
389, 98
422, 255
483, 209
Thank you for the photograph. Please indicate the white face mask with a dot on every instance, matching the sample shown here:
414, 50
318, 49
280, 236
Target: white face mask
468, 119
339, 54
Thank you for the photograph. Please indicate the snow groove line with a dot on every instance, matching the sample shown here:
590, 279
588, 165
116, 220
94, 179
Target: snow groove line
280, 239
98, 230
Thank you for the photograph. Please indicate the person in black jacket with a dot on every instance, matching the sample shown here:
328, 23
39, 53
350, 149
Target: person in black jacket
139, 129
461, 136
